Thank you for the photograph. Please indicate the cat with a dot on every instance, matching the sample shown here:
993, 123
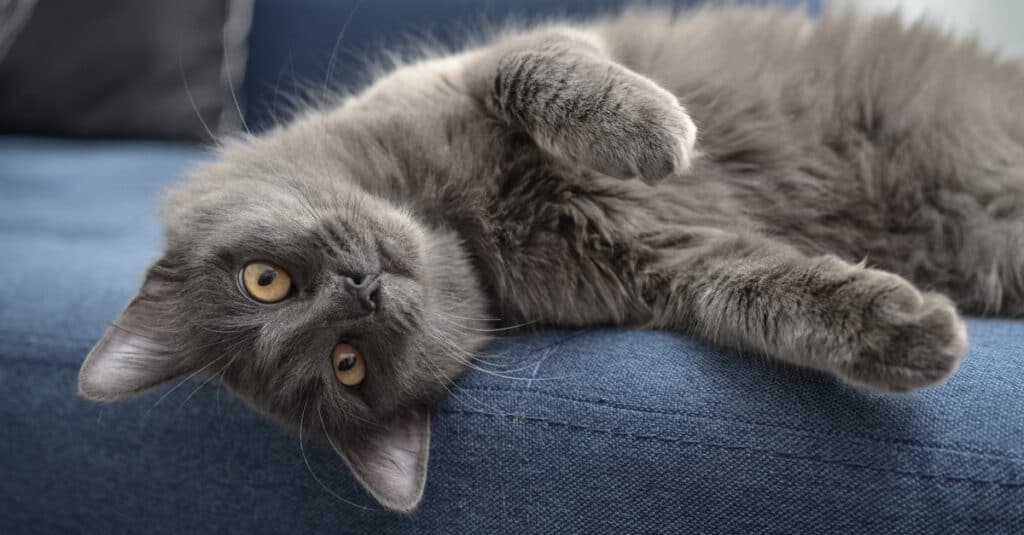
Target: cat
826, 193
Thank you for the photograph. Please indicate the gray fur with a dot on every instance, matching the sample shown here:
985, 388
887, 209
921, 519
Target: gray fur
501, 182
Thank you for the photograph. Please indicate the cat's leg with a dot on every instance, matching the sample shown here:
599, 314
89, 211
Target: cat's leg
866, 326
582, 107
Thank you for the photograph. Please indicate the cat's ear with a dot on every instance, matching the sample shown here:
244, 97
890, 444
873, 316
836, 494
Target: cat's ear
134, 354
392, 463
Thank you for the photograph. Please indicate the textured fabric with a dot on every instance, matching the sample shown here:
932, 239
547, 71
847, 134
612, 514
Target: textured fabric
591, 431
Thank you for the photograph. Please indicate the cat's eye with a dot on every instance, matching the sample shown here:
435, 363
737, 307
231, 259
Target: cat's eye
266, 282
349, 367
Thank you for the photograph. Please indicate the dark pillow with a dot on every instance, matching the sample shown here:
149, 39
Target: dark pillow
13, 14
125, 68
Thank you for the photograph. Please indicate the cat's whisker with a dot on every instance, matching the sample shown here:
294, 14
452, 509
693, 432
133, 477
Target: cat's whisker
493, 373
181, 382
361, 420
470, 359
450, 345
337, 450
323, 427
470, 362
443, 340
448, 319
334, 50
192, 101
462, 354
228, 350
456, 316
439, 337
231, 83
208, 379
439, 377
305, 459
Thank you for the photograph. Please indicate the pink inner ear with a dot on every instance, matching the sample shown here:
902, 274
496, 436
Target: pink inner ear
121, 364
393, 464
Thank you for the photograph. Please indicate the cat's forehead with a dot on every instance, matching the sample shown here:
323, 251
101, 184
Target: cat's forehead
238, 202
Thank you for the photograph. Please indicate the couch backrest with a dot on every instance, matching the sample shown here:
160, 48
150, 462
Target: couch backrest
293, 43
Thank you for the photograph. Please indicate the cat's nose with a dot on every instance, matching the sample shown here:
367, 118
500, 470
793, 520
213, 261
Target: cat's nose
364, 289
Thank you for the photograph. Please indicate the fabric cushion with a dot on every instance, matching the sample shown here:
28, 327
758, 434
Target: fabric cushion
598, 430
125, 68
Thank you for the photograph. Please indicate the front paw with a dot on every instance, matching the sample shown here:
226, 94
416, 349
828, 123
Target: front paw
906, 340
594, 113
635, 129
647, 135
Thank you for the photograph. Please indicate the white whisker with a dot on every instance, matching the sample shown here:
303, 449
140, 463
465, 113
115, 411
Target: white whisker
183, 381
302, 449
192, 101
334, 50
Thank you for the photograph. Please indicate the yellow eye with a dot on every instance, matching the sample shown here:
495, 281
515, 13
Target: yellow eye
266, 282
349, 367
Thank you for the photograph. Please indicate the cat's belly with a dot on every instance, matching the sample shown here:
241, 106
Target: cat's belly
576, 250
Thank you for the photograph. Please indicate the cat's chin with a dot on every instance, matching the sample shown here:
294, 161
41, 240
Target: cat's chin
456, 319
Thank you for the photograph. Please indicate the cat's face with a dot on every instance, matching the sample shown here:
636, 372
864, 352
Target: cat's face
334, 313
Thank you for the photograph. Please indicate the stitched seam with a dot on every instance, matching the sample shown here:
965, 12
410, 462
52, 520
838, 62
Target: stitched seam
955, 447
784, 455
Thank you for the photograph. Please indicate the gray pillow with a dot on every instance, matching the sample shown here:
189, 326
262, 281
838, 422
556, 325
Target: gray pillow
123, 68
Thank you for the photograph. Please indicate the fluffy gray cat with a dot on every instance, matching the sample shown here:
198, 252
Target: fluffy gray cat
824, 193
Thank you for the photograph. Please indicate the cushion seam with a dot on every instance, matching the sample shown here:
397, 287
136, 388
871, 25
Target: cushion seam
618, 406
955, 447
784, 455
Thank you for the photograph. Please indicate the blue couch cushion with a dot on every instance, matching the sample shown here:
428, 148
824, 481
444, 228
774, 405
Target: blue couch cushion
598, 430
79, 218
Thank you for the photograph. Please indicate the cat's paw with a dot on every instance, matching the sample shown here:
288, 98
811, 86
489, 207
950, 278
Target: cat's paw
596, 114
641, 131
906, 340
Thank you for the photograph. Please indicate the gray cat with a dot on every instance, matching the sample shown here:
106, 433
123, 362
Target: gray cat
730, 173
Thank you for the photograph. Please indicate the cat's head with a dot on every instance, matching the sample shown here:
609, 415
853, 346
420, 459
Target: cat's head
327, 308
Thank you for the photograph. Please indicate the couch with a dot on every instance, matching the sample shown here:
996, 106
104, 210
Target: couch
591, 431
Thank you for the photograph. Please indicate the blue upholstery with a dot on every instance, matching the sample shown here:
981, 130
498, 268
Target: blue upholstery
589, 431
597, 429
